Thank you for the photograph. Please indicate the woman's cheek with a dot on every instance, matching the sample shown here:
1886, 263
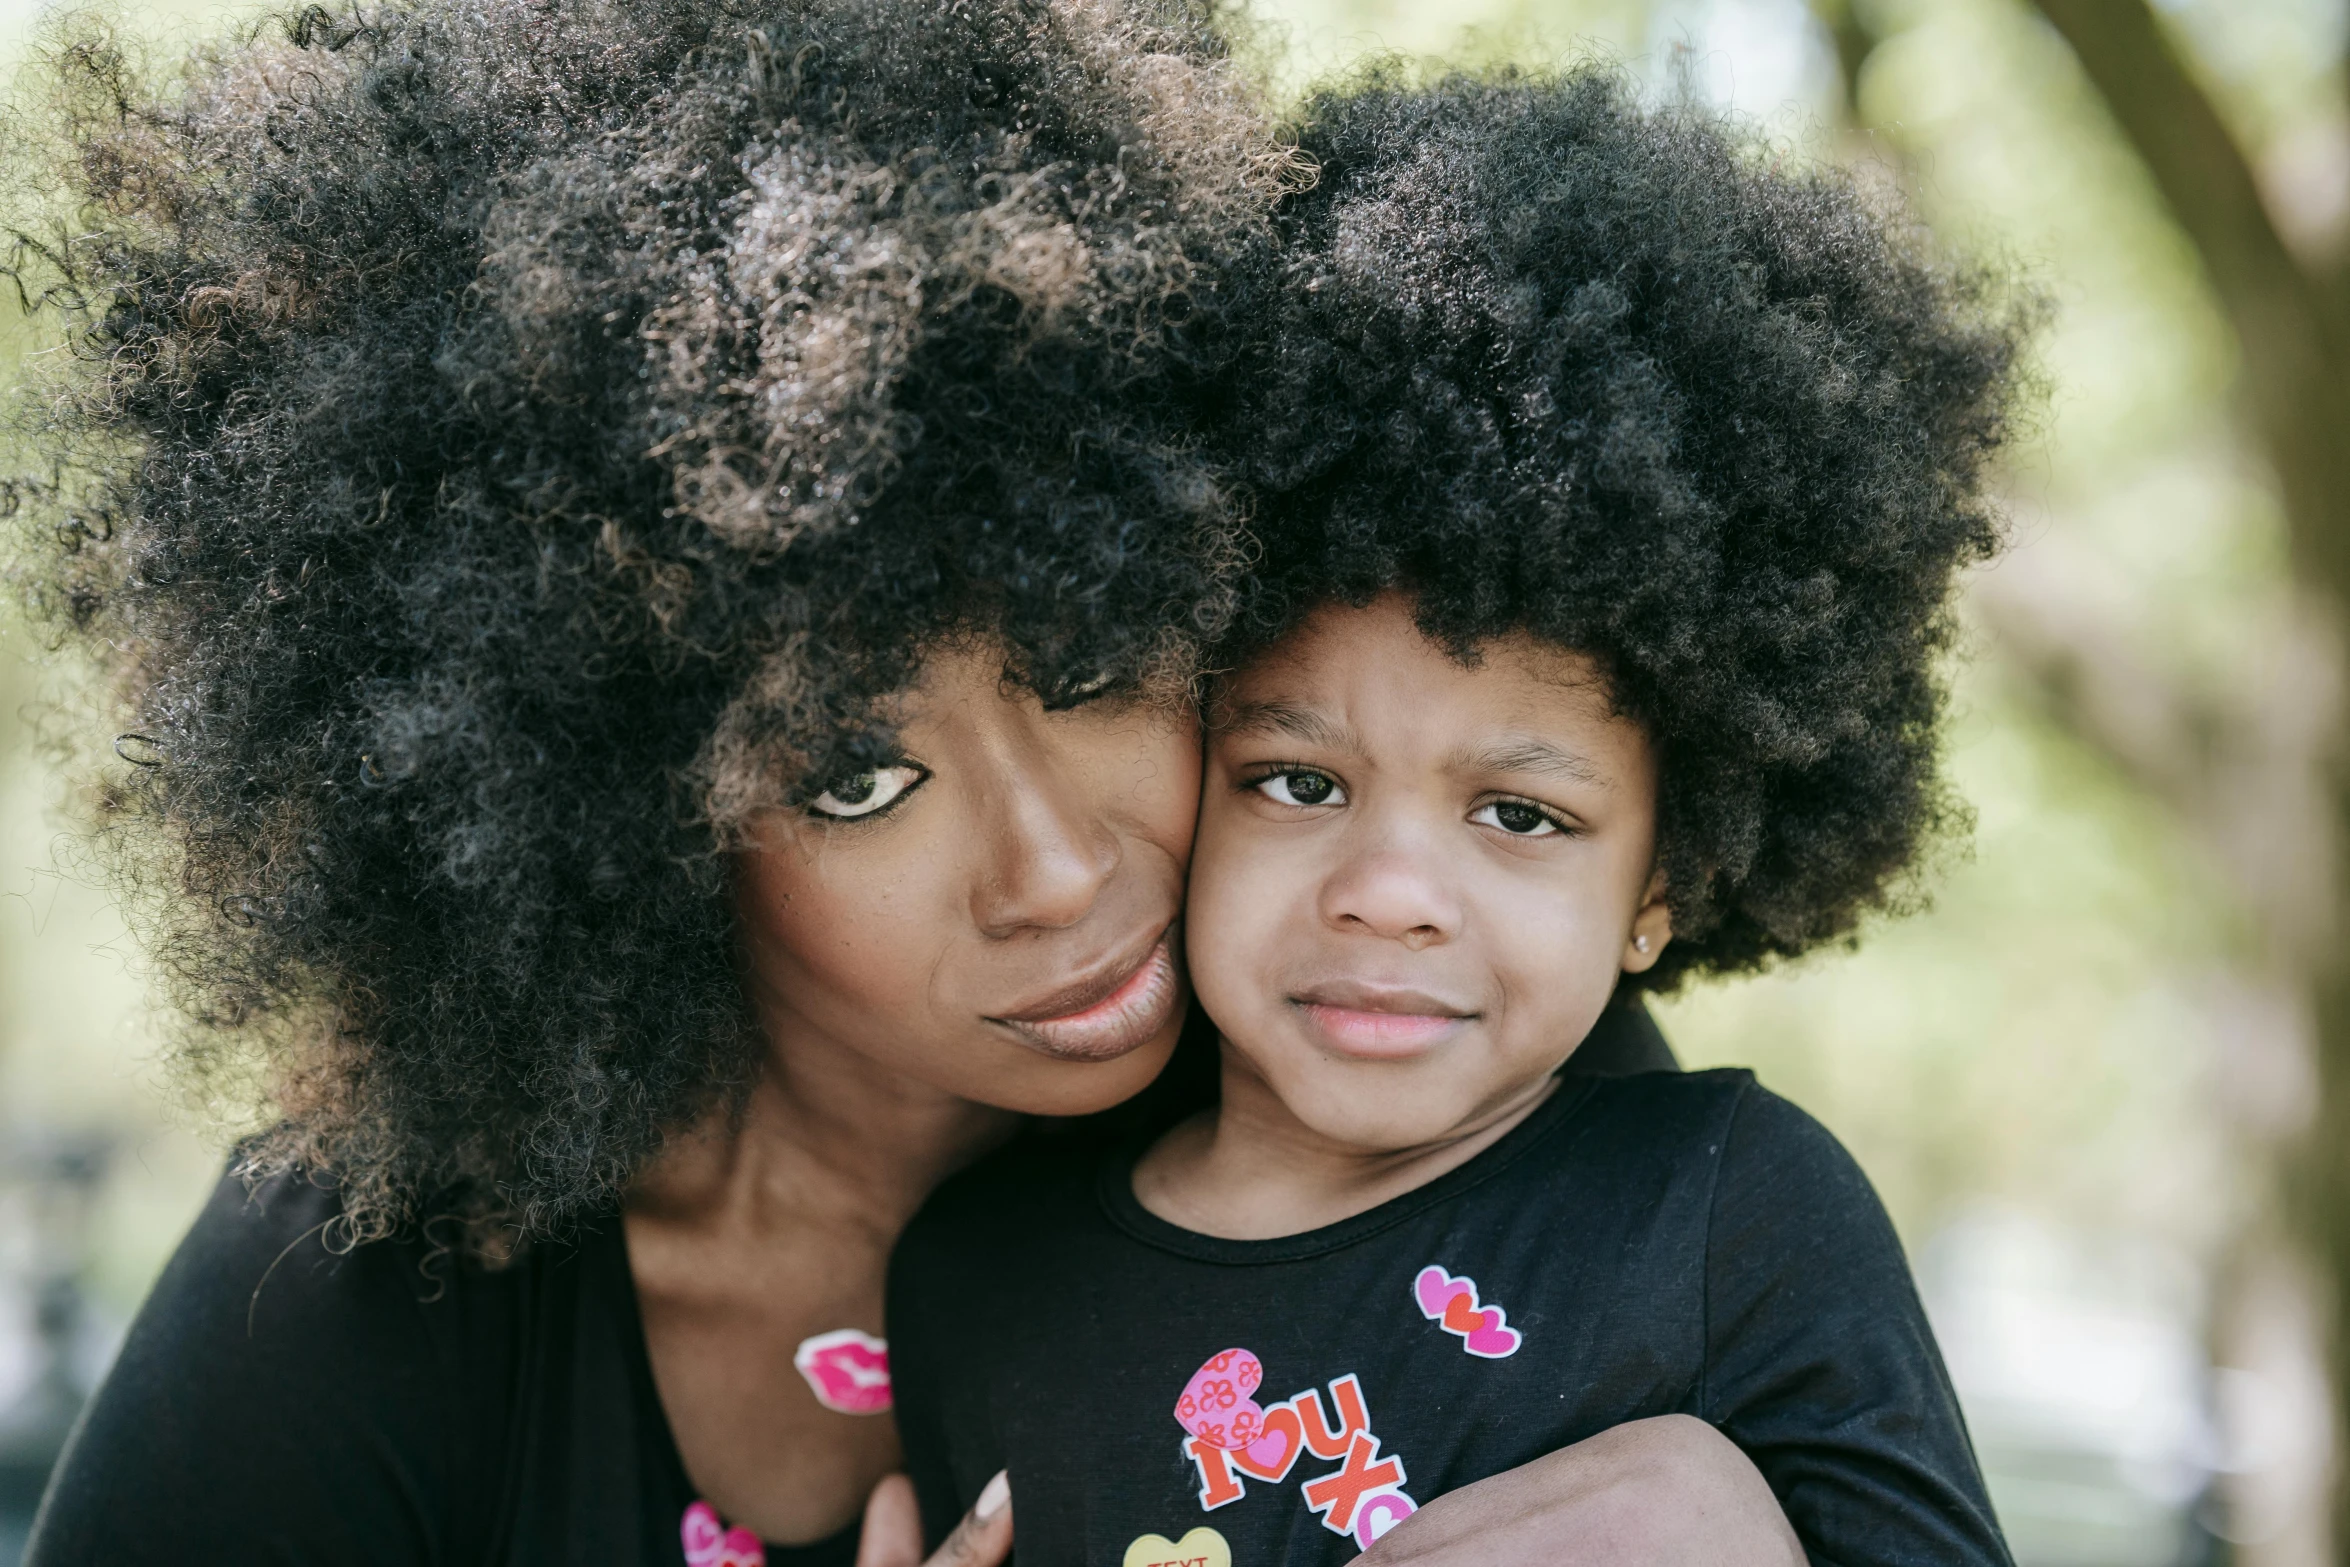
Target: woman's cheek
1167, 800
1231, 918
838, 931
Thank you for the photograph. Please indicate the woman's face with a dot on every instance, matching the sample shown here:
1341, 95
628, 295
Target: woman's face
995, 917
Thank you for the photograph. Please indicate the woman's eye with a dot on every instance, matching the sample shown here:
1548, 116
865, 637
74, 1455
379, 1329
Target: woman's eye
1301, 788
866, 793
1517, 818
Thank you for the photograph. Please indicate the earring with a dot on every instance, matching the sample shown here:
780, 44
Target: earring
1639, 943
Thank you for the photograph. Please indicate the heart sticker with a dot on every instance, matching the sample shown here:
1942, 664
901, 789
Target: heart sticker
1215, 1405
709, 1543
846, 1370
1451, 1301
1200, 1548
1380, 1512
1281, 1438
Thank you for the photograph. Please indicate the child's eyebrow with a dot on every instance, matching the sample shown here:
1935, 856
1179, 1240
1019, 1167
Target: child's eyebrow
1285, 718
1525, 754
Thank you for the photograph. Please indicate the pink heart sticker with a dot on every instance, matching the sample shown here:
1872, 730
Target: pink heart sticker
708, 1543
1436, 1288
1494, 1340
1451, 1301
1379, 1512
1271, 1454
1215, 1405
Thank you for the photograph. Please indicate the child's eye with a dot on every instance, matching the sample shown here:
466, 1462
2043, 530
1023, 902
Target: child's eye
1300, 786
1517, 818
866, 794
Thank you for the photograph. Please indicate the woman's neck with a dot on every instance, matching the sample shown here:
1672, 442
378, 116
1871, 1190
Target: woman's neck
826, 1136
758, 1229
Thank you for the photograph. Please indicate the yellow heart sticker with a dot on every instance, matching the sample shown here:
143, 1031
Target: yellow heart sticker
1200, 1548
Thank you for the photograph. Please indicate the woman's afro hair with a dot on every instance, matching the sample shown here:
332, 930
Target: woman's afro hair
1553, 361
503, 445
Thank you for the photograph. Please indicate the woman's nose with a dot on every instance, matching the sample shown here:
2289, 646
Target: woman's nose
1052, 852
1393, 889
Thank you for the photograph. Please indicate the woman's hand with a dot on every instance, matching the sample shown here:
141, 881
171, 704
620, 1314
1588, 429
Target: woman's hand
1667, 1492
892, 1536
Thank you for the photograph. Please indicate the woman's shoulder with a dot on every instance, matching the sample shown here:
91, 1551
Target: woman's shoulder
279, 1385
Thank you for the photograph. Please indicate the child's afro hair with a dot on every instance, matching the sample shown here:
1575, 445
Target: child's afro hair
1612, 375
502, 445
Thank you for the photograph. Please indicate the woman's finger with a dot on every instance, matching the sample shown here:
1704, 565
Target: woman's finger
984, 1537
892, 1536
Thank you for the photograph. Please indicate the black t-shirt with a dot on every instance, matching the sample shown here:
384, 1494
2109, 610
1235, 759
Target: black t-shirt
1639, 1246
277, 1403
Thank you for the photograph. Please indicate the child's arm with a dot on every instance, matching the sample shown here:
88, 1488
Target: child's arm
1667, 1492
1819, 1360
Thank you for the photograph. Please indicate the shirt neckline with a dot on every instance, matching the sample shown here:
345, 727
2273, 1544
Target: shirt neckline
1114, 1189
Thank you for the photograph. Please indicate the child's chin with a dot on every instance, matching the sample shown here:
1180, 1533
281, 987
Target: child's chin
1375, 1127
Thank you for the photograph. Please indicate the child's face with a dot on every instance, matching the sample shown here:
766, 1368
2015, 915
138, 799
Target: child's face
1416, 882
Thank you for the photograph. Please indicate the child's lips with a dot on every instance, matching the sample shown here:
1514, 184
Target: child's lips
1378, 1024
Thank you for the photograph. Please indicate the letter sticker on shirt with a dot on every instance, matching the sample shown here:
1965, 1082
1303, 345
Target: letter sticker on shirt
1451, 1301
1230, 1435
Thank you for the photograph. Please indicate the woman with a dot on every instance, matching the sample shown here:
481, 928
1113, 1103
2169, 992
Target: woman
651, 553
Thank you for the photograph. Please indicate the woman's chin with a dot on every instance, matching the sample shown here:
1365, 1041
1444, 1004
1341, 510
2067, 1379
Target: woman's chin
1061, 1085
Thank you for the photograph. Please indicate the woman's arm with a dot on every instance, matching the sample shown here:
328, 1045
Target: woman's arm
1667, 1492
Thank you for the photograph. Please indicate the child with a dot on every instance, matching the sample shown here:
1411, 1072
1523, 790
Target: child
1612, 486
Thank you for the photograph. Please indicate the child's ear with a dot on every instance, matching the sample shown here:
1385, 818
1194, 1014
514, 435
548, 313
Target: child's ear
1651, 929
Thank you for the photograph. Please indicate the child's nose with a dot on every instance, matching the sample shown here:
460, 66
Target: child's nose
1396, 890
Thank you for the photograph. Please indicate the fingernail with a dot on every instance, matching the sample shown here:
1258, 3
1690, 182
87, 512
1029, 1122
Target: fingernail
993, 1498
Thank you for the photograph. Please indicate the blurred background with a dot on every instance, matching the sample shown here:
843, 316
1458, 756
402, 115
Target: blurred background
2091, 1080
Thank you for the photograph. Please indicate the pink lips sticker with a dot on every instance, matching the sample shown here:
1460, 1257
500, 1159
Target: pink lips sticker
847, 1370
1484, 1331
709, 1543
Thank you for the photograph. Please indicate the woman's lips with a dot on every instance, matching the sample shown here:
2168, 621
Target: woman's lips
1377, 1024
1104, 1019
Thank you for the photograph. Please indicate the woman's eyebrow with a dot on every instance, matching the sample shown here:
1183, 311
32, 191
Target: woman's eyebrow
1285, 718
1525, 754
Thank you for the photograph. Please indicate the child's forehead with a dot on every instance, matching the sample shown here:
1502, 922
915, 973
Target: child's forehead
1338, 649
1347, 669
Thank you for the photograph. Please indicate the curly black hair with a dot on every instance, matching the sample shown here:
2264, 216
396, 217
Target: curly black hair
503, 445
1619, 377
